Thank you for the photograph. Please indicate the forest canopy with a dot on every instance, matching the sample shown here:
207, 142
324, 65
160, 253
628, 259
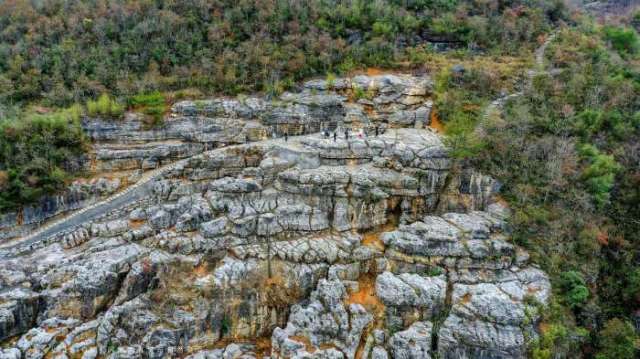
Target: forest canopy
65, 51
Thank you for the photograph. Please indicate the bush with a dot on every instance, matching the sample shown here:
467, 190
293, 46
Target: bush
331, 80
599, 175
217, 47
575, 291
358, 93
34, 150
617, 340
624, 40
153, 105
105, 106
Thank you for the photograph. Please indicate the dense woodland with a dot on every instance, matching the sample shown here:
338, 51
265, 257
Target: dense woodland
567, 151
568, 154
64, 51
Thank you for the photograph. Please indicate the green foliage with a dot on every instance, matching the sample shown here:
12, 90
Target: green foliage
574, 289
331, 80
461, 96
152, 104
599, 175
84, 50
623, 39
461, 139
549, 340
358, 93
35, 150
589, 122
566, 155
225, 325
105, 106
617, 340
632, 290
558, 337
433, 271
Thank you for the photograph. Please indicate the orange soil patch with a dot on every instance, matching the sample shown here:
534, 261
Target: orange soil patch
366, 296
369, 110
532, 290
372, 239
435, 122
603, 238
307, 343
135, 224
466, 298
263, 347
544, 327
201, 270
499, 199
373, 71
274, 280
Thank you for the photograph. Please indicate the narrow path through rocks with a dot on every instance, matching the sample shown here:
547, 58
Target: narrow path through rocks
138, 191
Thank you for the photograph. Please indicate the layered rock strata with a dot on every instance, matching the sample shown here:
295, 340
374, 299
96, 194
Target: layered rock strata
360, 247
306, 248
125, 148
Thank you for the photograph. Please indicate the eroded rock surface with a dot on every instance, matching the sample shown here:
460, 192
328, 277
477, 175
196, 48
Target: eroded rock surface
366, 247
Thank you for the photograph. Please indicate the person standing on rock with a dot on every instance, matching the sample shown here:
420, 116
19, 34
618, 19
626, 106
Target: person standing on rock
335, 136
376, 131
286, 136
346, 134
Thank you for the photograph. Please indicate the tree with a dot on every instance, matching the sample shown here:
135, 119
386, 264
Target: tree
624, 40
617, 340
599, 174
574, 289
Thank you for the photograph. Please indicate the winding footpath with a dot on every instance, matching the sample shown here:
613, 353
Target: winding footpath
139, 191
539, 53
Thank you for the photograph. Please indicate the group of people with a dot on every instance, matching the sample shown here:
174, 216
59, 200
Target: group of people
360, 134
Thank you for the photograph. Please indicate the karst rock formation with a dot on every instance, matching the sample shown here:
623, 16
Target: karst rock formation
328, 222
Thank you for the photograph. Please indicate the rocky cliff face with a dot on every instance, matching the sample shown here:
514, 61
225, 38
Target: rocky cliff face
360, 247
124, 149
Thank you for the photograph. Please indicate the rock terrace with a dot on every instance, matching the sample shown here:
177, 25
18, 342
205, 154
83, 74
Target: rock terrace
366, 247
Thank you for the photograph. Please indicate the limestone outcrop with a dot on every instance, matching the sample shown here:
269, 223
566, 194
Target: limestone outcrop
369, 246
79, 194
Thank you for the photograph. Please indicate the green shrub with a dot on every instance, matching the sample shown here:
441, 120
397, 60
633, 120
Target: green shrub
147, 99
105, 106
623, 39
225, 325
152, 104
358, 93
574, 289
632, 290
34, 150
617, 340
599, 175
588, 122
331, 80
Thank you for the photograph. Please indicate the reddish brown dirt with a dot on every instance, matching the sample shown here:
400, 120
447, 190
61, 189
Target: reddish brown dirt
372, 239
373, 71
366, 296
307, 343
135, 224
201, 270
435, 123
